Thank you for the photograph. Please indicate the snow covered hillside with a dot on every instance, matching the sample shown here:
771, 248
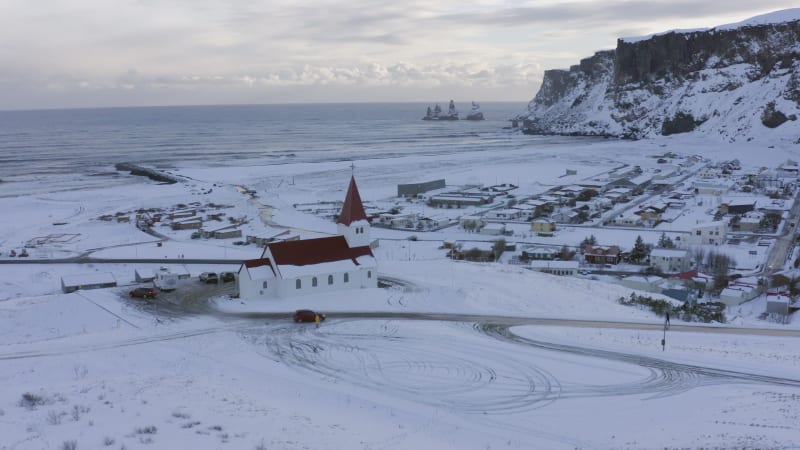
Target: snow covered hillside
738, 82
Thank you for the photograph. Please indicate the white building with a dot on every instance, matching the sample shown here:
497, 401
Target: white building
298, 267
494, 229
555, 267
643, 283
668, 260
96, 280
504, 214
711, 233
736, 294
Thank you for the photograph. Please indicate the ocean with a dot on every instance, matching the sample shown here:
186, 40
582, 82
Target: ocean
90, 141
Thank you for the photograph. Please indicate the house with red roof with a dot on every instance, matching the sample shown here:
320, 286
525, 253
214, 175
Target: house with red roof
333, 263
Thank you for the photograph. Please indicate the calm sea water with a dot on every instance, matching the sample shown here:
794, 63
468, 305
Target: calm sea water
93, 140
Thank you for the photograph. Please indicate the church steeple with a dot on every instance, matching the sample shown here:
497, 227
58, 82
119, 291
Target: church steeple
353, 209
352, 222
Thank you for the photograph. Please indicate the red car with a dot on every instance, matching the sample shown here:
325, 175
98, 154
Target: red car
307, 315
143, 293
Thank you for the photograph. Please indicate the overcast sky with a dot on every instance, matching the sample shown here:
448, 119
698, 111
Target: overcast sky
83, 53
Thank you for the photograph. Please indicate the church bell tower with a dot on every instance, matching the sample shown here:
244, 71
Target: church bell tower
352, 222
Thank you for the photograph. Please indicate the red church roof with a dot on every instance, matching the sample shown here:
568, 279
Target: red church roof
353, 209
251, 263
315, 251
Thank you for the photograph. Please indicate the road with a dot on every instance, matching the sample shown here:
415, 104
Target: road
784, 242
244, 321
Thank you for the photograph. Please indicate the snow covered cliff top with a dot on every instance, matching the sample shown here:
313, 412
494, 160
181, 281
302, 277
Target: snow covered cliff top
781, 16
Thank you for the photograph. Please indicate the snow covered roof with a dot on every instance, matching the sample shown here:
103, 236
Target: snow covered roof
644, 279
668, 253
480, 245
88, 279
543, 264
495, 226
145, 273
717, 223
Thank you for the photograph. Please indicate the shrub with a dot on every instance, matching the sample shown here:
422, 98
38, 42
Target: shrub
69, 445
53, 418
181, 415
147, 430
108, 441
31, 401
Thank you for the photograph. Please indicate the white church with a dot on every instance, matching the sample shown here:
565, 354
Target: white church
335, 263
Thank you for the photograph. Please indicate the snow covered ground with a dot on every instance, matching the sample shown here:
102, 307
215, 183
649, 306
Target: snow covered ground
105, 371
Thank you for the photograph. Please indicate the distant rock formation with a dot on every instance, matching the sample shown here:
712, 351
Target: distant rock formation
736, 82
436, 113
475, 113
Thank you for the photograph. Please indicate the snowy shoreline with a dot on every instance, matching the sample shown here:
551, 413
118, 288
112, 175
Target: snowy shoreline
215, 377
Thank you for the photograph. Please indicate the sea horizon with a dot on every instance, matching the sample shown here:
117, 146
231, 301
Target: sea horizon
212, 105
90, 140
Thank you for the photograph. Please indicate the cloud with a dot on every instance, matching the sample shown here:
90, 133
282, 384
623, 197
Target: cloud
206, 46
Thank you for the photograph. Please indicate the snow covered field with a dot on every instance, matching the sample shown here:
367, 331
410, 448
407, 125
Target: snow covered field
106, 371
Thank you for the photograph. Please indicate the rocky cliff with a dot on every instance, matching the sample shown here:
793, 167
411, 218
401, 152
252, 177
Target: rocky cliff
737, 82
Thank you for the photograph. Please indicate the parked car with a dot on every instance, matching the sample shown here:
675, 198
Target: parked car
307, 315
209, 277
227, 276
143, 292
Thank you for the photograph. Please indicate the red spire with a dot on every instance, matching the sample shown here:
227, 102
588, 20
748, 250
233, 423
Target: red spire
353, 209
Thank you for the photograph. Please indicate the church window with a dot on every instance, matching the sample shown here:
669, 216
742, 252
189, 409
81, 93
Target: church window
369, 274
314, 282
346, 277
330, 279
264, 285
298, 284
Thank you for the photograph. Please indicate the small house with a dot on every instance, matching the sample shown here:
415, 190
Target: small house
599, 254
192, 223
543, 227
569, 268
643, 283
99, 280
504, 214
494, 229
541, 253
227, 234
737, 293
710, 233
778, 303
668, 260
144, 275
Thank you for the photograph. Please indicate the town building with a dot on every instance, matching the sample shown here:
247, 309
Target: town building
543, 227
72, 283
710, 233
414, 189
669, 260
599, 254
569, 268
541, 253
